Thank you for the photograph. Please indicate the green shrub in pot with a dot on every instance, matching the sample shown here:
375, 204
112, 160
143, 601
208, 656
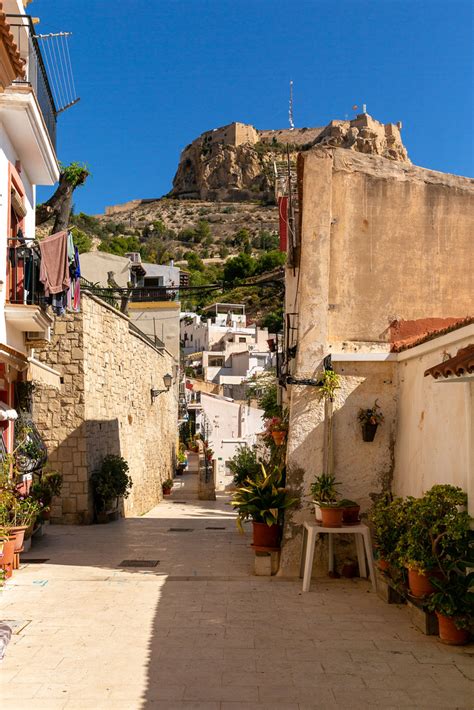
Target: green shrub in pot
110, 482
436, 532
324, 488
262, 499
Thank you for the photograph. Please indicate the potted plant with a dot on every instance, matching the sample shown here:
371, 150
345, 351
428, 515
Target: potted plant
45, 489
109, 483
277, 428
17, 514
7, 554
262, 499
331, 514
388, 521
453, 603
370, 419
244, 464
182, 461
324, 490
166, 486
436, 533
350, 512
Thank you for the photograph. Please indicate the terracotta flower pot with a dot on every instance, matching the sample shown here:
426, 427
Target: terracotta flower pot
383, 565
350, 516
449, 633
6, 561
266, 536
332, 517
368, 431
166, 491
419, 583
18, 535
279, 437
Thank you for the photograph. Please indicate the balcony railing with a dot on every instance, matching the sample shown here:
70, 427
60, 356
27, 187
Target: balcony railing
23, 269
23, 32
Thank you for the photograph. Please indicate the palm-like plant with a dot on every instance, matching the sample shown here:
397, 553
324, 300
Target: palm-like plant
262, 499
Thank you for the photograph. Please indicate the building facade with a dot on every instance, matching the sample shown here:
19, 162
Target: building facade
27, 159
382, 247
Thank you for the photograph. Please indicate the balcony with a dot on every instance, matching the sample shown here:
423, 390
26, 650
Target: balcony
22, 29
25, 307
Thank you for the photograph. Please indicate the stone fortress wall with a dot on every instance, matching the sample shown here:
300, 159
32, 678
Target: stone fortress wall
104, 407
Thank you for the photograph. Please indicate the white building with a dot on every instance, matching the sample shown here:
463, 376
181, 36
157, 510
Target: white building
225, 329
27, 158
226, 425
222, 349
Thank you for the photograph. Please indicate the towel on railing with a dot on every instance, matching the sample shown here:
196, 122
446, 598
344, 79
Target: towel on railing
54, 270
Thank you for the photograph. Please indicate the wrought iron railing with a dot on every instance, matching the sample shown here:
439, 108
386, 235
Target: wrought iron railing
23, 273
23, 32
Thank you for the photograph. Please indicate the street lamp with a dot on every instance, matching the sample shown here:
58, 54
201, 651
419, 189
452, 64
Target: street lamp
167, 381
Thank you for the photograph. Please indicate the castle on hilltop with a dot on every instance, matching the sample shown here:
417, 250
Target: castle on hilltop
237, 162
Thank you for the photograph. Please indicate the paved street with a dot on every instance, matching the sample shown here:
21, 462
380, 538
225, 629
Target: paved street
199, 632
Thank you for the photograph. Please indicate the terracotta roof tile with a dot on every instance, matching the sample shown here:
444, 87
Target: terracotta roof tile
399, 346
461, 364
13, 52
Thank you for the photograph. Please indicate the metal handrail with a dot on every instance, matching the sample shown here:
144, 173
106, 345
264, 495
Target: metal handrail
36, 75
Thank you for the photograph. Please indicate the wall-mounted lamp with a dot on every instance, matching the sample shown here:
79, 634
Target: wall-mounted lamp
167, 381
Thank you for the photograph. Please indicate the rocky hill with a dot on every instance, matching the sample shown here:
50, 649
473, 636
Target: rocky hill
238, 162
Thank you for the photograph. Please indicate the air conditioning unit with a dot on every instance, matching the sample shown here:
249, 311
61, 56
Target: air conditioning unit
38, 339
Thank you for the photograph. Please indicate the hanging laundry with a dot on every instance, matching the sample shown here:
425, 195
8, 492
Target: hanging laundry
54, 271
77, 281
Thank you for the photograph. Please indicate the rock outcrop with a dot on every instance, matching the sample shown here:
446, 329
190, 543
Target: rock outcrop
238, 162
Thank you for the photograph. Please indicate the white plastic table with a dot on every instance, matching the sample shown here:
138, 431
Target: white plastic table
362, 540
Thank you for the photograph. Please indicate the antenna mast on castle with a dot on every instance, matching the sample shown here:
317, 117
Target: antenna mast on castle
290, 112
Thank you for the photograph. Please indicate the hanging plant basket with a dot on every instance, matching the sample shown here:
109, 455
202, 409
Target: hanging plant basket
369, 431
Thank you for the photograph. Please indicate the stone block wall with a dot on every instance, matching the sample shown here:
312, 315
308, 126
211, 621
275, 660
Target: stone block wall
104, 407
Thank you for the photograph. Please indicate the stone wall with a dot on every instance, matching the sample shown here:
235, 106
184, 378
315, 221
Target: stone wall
104, 407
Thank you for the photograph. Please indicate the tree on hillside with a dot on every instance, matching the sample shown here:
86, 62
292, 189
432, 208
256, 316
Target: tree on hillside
269, 261
59, 204
82, 241
238, 268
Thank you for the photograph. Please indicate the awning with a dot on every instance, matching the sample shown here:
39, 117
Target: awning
7, 414
15, 358
461, 365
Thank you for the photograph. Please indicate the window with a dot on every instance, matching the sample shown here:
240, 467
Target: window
191, 338
242, 340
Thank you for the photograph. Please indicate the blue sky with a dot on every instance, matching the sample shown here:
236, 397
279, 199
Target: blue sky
152, 75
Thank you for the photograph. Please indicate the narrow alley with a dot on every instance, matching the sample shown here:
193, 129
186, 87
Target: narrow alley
198, 631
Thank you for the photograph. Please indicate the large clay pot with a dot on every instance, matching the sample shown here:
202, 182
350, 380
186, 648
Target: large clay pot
279, 437
18, 535
449, 633
350, 516
419, 583
368, 431
166, 491
266, 536
332, 517
6, 561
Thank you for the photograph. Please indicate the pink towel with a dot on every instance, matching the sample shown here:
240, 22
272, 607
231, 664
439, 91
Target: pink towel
54, 270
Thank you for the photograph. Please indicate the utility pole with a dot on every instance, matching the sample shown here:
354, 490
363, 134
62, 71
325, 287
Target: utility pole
290, 112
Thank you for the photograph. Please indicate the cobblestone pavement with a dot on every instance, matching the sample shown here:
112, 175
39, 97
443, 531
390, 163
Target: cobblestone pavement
199, 632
